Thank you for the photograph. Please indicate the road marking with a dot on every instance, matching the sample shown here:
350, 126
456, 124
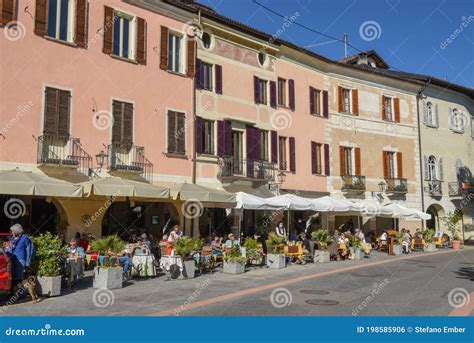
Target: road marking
466, 309
253, 290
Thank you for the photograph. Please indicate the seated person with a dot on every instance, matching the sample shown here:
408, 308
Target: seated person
74, 251
216, 245
383, 239
294, 236
231, 241
123, 259
305, 243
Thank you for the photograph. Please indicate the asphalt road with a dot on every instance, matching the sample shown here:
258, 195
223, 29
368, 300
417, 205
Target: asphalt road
382, 285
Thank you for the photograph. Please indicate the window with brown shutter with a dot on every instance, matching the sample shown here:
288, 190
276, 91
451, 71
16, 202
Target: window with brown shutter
122, 129
176, 133
191, 57
358, 168
164, 48
40, 17
399, 165
396, 109
7, 11
386, 171
108, 30
342, 161
82, 21
141, 41
56, 112
340, 99
355, 102
382, 109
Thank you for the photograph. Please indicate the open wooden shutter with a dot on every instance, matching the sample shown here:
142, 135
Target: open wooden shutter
172, 132
64, 106
314, 169
383, 109
221, 138
191, 70
440, 169
311, 100
117, 113
41, 17
199, 135
273, 95
164, 48
199, 75
386, 171
291, 90
108, 30
396, 109
342, 161
355, 102
274, 146
340, 99
7, 11
82, 21
426, 171
327, 162
325, 104
399, 165
292, 154
181, 133
141, 41
218, 71
357, 162
127, 131
255, 90
50, 111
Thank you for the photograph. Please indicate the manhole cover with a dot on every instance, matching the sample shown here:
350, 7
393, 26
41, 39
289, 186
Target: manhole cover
322, 302
314, 291
367, 275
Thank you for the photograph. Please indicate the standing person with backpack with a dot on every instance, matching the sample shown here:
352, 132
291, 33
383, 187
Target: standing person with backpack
21, 253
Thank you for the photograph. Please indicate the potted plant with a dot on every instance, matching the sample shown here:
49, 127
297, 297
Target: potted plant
428, 237
108, 274
276, 258
323, 240
234, 262
47, 263
185, 247
354, 246
253, 251
451, 222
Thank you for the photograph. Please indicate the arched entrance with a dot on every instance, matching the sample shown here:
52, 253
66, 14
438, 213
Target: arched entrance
436, 212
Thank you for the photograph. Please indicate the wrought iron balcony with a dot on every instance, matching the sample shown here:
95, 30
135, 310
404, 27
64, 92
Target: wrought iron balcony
353, 183
460, 188
258, 170
434, 188
129, 158
63, 151
398, 185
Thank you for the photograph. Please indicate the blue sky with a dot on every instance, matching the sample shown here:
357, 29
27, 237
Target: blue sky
411, 35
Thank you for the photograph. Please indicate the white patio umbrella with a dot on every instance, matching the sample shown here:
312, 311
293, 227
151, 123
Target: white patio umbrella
400, 211
252, 202
297, 203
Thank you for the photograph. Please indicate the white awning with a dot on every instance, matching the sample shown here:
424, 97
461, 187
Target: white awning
252, 202
119, 187
400, 211
332, 204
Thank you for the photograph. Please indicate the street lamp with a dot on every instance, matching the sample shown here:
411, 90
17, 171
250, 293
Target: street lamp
382, 186
281, 177
100, 158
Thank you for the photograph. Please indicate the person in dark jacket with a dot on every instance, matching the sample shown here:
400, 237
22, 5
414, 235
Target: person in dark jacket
20, 250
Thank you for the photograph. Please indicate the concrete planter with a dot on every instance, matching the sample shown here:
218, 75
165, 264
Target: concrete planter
276, 261
321, 256
357, 254
431, 247
49, 285
234, 268
397, 250
456, 245
108, 278
189, 270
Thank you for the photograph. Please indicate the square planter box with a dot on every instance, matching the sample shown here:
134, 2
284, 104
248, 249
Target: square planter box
276, 261
357, 254
108, 278
189, 270
234, 268
397, 250
431, 247
49, 285
321, 256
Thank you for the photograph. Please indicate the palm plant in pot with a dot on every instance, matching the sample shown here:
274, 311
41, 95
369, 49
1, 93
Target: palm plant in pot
428, 235
451, 222
276, 258
323, 240
47, 264
185, 247
234, 262
108, 274
397, 244
253, 251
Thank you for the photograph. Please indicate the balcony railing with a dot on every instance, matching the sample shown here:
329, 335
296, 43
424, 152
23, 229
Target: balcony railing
130, 158
398, 185
460, 188
63, 151
353, 183
259, 170
434, 188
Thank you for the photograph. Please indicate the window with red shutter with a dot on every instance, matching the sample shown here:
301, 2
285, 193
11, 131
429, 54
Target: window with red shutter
325, 104
141, 41
218, 71
82, 22
292, 146
7, 11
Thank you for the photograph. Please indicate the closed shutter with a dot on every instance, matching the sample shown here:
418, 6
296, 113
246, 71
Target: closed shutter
273, 95
340, 99
325, 104
122, 129
255, 90
399, 165
127, 135
218, 70
221, 138
50, 111
82, 21
342, 161
292, 154
199, 135
181, 134
191, 71
327, 162
425, 113
7, 11
251, 147
164, 48
436, 115
172, 132
40, 17
396, 109
228, 137
383, 109
64, 105
311, 100
386, 168
141, 41
291, 89
355, 102
426, 168
199, 75
358, 169
441, 169
108, 30
117, 113
314, 167
274, 146
451, 119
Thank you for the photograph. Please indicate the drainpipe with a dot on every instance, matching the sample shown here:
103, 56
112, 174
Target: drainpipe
194, 109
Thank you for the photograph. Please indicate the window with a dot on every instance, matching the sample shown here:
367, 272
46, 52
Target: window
124, 35
176, 133
56, 112
457, 121
206, 76
316, 101
122, 128
262, 91
262, 58
387, 108
175, 53
264, 145
318, 160
282, 153
281, 92
206, 40
392, 168
432, 168
346, 93
61, 19
348, 162
208, 137
429, 114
